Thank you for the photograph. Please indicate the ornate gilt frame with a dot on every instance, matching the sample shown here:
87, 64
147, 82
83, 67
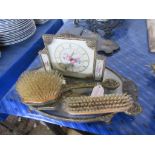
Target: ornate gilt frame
91, 43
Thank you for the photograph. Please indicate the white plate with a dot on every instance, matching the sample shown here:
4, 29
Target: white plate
17, 31
15, 27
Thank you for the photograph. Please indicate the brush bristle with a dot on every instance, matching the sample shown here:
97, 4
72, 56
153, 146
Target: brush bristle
39, 86
97, 105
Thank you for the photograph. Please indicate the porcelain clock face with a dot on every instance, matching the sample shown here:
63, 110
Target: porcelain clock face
72, 57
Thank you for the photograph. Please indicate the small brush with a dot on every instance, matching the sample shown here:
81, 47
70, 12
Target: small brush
108, 83
39, 86
86, 105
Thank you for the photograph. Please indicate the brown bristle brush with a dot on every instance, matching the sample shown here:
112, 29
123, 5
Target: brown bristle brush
86, 105
39, 86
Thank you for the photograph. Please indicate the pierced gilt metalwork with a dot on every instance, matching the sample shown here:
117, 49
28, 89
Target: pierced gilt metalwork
111, 84
99, 24
48, 38
134, 110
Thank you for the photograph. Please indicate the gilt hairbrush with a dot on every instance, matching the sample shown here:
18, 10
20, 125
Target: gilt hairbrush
39, 86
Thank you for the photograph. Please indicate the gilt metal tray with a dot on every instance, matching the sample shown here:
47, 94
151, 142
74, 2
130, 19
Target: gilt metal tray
57, 112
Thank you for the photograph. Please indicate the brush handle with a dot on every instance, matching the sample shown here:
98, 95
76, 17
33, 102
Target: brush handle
69, 87
50, 105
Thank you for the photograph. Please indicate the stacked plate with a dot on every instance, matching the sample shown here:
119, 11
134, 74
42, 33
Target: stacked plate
15, 30
41, 21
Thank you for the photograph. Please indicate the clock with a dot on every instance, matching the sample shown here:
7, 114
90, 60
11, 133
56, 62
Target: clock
73, 56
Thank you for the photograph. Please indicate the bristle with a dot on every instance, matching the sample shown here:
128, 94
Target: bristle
39, 86
97, 105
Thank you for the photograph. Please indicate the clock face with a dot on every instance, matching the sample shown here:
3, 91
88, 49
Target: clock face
74, 57
71, 57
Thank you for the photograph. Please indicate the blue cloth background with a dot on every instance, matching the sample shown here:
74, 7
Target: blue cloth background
131, 61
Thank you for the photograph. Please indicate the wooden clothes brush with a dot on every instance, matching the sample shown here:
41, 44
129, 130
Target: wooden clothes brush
86, 105
39, 86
